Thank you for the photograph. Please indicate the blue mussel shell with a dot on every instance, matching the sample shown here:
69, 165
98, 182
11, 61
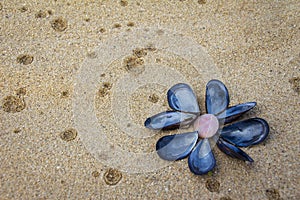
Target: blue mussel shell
246, 133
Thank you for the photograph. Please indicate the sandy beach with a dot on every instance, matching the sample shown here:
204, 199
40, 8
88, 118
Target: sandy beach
79, 78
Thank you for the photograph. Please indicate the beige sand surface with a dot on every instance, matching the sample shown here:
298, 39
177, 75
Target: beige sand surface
254, 46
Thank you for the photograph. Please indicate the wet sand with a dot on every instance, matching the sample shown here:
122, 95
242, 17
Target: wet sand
47, 151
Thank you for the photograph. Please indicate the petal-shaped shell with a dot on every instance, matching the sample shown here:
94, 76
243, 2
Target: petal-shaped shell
169, 120
176, 147
217, 97
245, 133
182, 98
232, 150
201, 160
234, 112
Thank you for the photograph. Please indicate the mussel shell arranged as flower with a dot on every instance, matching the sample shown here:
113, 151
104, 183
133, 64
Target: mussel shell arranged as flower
196, 145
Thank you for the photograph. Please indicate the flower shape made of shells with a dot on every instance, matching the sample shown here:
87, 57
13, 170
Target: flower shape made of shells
195, 145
